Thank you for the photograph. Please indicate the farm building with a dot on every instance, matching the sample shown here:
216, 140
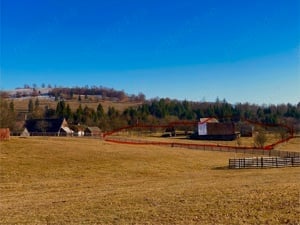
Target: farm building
25, 133
211, 129
208, 120
4, 134
47, 127
246, 130
92, 132
169, 132
78, 130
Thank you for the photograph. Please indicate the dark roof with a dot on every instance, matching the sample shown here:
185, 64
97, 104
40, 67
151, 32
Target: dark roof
93, 129
44, 125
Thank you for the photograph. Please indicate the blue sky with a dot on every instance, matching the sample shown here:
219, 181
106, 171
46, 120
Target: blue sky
243, 51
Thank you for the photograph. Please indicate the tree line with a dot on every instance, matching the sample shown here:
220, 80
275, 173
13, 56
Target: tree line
101, 92
155, 111
60, 93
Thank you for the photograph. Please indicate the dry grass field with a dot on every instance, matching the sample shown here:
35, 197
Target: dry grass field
22, 104
88, 181
292, 145
157, 137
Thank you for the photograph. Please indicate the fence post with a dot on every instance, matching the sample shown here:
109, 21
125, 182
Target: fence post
262, 162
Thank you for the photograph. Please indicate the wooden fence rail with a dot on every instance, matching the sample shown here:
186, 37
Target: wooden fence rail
206, 147
264, 162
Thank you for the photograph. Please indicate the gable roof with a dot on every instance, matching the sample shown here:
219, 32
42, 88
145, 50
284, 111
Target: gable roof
93, 129
44, 125
67, 130
25, 133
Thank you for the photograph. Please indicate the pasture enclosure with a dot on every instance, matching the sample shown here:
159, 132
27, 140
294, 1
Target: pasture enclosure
202, 146
51, 180
264, 162
267, 136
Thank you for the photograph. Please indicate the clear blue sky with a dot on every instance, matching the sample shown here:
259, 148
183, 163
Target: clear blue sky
243, 51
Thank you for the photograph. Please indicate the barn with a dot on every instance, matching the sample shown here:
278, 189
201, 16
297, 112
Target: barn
211, 129
48, 127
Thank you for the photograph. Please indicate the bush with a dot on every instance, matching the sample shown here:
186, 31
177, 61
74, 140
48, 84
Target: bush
260, 139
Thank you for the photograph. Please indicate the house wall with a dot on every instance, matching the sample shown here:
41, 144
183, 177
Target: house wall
220, 128
64, 123
80, 133
93, 134
25, 133
216, 129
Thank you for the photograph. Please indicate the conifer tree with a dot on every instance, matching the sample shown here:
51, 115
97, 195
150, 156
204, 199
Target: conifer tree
30, 106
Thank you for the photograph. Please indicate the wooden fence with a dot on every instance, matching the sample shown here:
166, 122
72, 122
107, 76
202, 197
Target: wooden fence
206, 147
264, 162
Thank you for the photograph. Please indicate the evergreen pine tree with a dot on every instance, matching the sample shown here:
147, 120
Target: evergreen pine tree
12, 106
36, 103
30, 106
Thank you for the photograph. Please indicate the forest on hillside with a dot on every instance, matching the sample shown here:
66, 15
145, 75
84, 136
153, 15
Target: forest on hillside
67, 93
152, 112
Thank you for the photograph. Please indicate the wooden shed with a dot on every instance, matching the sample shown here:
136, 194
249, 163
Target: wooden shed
92, 132
211, 129
246, 130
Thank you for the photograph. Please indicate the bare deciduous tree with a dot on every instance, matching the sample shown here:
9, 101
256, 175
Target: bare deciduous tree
260, 139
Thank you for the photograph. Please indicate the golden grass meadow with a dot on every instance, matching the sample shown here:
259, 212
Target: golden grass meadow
47, 180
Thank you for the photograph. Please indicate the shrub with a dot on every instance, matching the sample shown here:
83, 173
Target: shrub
260, 139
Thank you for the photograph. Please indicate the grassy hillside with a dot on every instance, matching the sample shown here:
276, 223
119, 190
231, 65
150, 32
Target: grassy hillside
157, 137
291, 145
88, 181
22, 104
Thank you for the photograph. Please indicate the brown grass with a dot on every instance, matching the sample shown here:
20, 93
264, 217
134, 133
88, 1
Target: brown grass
241, 142
88, 181
291, 145
22, 104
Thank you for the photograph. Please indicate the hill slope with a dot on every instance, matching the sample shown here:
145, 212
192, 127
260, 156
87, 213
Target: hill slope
21, 105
